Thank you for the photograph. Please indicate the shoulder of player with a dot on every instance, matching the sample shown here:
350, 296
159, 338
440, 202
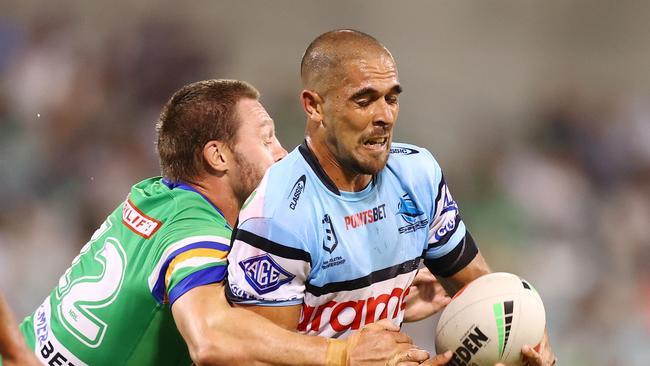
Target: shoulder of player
171, 210
280, 210
279, 194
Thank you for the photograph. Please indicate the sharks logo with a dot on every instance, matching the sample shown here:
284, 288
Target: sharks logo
409, 211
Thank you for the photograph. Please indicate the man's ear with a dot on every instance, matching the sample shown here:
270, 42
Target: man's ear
312, 104
216, 156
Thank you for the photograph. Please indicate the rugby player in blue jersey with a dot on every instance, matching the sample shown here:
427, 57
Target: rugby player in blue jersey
332, 238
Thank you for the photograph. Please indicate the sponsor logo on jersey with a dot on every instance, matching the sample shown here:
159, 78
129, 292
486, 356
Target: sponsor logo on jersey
409, 211
353, 314
137, 221
403, 150
450, 212
264, 274
296, 191
365, 217
48, 349
446, 227
471, 343
41, 326
330, 241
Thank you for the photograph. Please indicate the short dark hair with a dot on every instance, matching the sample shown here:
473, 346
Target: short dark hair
193, 116
321, 63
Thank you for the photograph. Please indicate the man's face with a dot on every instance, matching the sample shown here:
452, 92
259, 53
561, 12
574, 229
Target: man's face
256, 147
360, 111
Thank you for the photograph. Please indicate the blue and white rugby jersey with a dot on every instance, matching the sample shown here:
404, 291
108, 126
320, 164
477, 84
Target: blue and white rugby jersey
347, 257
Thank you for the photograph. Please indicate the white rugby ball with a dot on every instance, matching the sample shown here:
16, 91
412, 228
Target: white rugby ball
489, 320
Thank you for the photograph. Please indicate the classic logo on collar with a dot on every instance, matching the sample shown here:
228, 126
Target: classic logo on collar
403, 150
264, 274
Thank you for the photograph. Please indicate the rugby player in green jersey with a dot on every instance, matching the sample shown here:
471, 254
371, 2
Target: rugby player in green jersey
12, 347
147, 289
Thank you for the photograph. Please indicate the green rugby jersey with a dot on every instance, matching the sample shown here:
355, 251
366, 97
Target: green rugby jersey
113, 305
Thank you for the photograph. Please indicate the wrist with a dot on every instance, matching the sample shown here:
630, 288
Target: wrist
337, 352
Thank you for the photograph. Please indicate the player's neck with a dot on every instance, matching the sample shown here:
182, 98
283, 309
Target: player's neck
343, 179
221, 196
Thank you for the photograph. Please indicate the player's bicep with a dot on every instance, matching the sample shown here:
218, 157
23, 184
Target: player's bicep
284, 316
450, 246
195, 310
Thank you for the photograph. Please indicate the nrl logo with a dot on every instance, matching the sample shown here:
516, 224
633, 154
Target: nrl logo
330, 241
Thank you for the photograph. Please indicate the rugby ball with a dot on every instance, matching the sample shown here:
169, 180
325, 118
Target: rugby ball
489, 320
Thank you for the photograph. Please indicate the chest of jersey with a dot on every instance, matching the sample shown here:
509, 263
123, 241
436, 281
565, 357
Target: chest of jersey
371, 244
383, 229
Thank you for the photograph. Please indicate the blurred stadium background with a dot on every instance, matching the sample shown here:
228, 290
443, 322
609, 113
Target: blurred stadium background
538, 111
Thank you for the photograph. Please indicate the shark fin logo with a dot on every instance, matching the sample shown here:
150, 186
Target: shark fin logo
408, 209
410, 212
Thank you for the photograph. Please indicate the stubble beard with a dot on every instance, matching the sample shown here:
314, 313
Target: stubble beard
372, 167
248, 178
366, 166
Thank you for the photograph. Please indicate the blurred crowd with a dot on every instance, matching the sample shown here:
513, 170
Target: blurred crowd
76, 131
569, 204
564, 200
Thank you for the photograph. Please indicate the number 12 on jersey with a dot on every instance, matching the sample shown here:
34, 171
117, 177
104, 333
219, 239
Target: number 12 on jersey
80, 297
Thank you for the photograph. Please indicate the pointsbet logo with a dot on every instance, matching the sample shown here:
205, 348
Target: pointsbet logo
365, 217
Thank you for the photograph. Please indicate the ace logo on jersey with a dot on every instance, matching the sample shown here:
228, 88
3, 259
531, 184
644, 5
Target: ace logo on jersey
264, 274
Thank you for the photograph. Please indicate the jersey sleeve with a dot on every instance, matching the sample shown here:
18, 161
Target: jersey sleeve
188, 261
269, 265
450, 246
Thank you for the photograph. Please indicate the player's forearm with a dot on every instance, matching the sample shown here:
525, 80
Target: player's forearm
260, 342
218, 334
475, 269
